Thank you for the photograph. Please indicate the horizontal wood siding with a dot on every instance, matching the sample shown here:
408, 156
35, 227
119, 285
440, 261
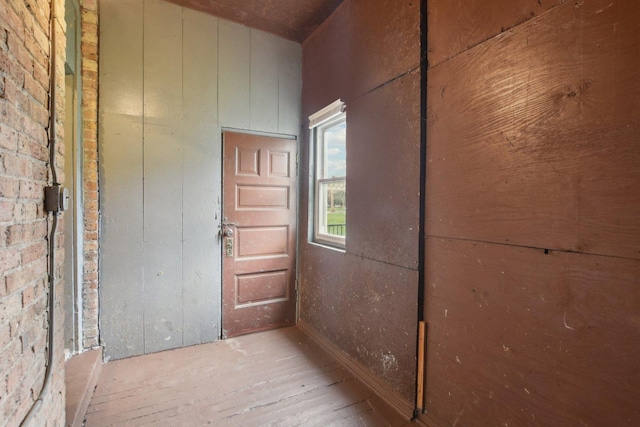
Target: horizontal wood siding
455, 26
521, 337
543, 142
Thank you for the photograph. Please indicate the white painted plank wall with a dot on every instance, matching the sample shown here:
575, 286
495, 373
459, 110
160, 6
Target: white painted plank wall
235, 75
264, 82
121, 192
200, 180
163, 110
161, 192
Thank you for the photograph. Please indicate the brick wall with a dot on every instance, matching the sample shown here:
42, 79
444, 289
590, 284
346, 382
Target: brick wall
90, 182
24, 226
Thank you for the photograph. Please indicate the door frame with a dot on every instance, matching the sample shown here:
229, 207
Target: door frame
75, 216
296, 138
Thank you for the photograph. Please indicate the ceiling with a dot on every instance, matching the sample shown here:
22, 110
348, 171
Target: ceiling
291, 19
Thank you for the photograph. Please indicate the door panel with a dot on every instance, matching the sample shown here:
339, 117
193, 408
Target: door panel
258, 290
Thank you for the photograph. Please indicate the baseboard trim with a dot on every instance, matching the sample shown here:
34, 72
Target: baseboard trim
357, 369
425, 421
81, 377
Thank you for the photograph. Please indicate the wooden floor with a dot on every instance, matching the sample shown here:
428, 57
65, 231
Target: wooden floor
275, 378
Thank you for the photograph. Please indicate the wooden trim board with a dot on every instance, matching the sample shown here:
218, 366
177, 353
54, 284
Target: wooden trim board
81, 379
374, 383
420, 375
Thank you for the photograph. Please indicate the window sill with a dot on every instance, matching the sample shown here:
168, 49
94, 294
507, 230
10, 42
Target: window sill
327, 246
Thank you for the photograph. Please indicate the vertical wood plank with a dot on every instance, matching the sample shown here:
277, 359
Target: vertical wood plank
69, 219
290, 87
383, 135
264, 82
162, 175
234, 75
201, 180
420, 375
121, 252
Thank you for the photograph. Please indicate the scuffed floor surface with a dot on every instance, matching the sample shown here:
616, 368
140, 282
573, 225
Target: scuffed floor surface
275, 378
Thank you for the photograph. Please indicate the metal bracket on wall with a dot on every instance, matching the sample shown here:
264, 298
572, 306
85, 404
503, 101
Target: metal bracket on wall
56, 198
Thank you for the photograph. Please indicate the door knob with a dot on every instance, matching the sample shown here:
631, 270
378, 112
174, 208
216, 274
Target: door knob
226, 228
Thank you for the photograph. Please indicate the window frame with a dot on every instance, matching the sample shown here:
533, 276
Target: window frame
328, 117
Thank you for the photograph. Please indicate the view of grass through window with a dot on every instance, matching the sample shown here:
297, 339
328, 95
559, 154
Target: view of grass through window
337, 221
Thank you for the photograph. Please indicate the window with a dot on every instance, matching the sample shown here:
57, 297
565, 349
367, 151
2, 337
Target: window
329, 136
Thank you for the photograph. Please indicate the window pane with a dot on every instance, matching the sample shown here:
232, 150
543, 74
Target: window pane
335, 151
329, 127
332, 208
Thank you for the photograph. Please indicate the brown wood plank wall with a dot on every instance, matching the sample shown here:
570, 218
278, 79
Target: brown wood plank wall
364, 300
532, 207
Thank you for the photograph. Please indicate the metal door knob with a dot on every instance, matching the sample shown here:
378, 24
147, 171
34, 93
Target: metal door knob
228, 232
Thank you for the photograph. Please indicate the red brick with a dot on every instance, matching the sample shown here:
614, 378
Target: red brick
5, 339
8, 187
41, 38
29, 210
89, 51
40, 114
6, 210
40, 171
90, 174
24, 276
35, 89
41, 74
10, 307
31, 190
12, 22
11, 69
90, 117
18, 51
8, 260
8, 138
10, 354
12, 380
39, 55
90, 266
26, 233
15, 326
42, 22
90, 5
27, 297
3, 236
15, 95
16, 165
10, 116
33, 252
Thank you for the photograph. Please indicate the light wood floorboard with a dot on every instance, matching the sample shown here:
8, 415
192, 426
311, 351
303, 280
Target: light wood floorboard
274, 378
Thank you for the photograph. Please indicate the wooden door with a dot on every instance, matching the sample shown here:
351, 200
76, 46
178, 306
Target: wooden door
258, 233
